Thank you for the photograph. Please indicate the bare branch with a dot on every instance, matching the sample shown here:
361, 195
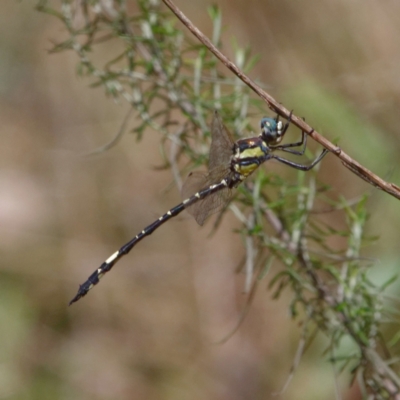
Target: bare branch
347, 161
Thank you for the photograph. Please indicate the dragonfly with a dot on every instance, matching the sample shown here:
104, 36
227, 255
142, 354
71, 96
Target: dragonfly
230, 163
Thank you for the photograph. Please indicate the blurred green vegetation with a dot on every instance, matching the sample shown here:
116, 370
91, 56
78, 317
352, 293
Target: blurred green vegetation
148, 330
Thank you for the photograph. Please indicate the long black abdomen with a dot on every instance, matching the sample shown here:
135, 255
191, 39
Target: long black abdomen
126, 248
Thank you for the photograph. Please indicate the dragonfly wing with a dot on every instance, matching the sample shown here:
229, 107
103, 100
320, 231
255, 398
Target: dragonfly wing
222, 143
210, 205
194, 183
221, 151
197, 181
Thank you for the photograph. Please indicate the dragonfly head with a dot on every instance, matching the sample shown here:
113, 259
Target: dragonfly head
271, 131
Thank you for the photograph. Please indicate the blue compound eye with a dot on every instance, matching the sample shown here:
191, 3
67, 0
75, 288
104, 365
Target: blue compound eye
268, 123
271, 131
204, 194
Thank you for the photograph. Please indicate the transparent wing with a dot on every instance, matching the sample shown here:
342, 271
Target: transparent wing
194, 183
221, 151
197, 181
222, 143
210, 205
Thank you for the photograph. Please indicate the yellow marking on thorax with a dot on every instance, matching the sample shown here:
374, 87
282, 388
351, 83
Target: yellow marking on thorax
246, 170
248, 153
254, 152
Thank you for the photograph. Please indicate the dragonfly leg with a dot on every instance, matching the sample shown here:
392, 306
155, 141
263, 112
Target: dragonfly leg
287, 149
301, 167
287, 124
302, 142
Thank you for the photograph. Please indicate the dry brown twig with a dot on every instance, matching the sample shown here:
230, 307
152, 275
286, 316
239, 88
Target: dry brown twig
347, 161
377, 366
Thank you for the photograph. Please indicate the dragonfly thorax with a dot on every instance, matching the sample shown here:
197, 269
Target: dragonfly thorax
230, 163
249, 154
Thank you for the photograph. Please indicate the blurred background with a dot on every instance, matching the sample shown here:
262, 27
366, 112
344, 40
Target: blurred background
149, 331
